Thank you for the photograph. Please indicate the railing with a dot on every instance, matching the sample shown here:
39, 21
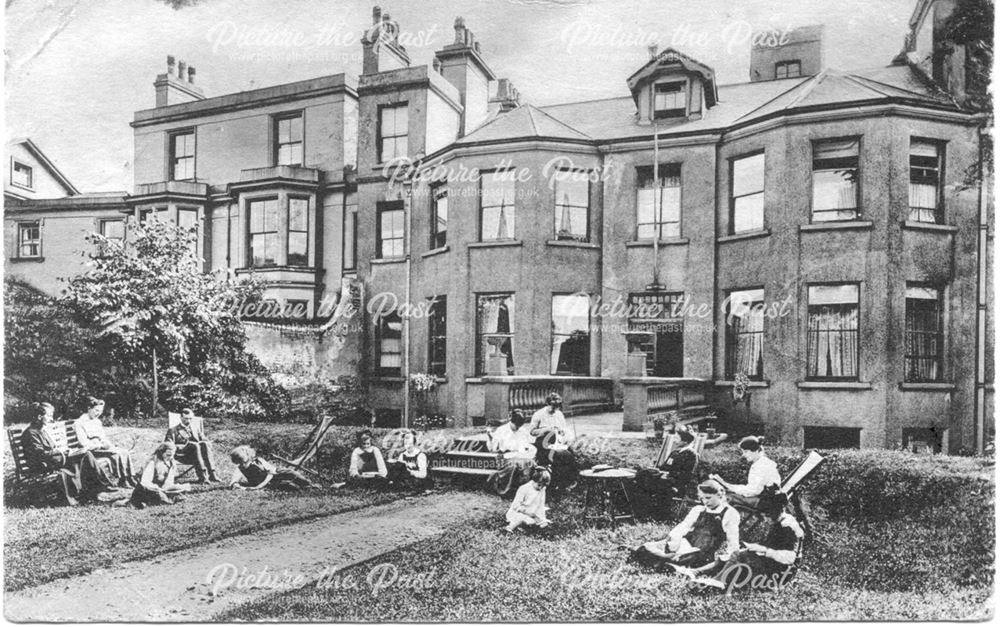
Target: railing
646, 397
491, 398
579, 395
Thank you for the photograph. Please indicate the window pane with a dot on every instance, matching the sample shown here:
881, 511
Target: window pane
113, 229
748, 213
570, 335
350, 239
297, 247
832, 294
295, 129
927, 293
186, 218
298, 212
748, 175
271, 215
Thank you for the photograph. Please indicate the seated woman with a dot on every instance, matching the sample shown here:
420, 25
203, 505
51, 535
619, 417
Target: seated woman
367, 468
528, 507
256, 473
409, 470
156, 485
707, 536
771, 564
552, 440
81, 475
514, 443
90, 433
763, 476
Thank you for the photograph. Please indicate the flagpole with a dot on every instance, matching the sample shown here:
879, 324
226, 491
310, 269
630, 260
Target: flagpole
658, 207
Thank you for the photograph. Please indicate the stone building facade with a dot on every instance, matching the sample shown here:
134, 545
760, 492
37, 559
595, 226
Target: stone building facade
808, 230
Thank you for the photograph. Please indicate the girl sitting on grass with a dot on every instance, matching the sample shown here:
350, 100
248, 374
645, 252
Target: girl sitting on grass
528, 507
409, 470
156, 484
706, 538
256, 473
367, 467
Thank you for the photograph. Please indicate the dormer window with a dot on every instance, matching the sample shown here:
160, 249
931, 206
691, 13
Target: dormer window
788, 69
672, 86
670, 100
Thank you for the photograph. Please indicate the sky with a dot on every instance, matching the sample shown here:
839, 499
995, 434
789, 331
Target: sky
77, 70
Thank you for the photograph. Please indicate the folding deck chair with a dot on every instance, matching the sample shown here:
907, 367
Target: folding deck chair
789, 488
309, 448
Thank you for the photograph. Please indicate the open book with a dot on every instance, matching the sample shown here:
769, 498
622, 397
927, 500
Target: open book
698, 578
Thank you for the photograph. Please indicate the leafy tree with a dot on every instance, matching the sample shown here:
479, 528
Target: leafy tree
162, 320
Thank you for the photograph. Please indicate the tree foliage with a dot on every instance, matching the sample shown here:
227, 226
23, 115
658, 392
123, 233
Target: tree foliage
155, 314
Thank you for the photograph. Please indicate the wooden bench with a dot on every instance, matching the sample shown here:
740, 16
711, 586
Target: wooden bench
39, 483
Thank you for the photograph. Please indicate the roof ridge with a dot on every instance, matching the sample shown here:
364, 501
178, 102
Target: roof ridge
810, 85
783, 93
560, 122
577, 102
531, 118
866, 79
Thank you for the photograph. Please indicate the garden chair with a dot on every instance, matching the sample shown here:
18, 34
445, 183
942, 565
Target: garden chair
789, 487
309, 448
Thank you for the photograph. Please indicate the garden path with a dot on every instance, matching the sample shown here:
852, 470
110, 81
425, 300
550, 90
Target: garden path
189, 586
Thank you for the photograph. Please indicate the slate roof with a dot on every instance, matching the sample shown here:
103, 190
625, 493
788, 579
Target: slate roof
741, 103
526, 121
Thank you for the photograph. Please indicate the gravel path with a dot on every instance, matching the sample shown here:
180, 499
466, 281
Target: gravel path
193, 586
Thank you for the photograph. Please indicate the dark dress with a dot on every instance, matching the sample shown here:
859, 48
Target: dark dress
707, 535
257, 470
400, 472
779, 538
80, 475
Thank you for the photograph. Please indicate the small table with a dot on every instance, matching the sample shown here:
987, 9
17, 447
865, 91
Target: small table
607, 491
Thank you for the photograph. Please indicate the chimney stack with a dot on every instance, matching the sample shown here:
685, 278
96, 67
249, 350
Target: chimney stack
786, 53
175, 88
463, 66
380, 45
506, 99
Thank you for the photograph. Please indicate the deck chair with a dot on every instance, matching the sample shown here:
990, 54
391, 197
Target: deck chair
789, 487
197, 424
309, 448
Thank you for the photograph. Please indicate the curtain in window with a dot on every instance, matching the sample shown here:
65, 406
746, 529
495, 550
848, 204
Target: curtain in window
832, 342
749, 331
923, 335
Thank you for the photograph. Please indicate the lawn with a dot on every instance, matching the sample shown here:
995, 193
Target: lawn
45, 543
576, 573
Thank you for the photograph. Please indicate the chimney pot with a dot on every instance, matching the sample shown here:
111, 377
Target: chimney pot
652, 51
181, 70
191, 74
475, 46
170, 64
376, 15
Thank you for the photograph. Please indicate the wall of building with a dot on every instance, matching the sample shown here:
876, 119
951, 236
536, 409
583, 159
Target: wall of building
233, 140
879, 254
64, 247
43, 184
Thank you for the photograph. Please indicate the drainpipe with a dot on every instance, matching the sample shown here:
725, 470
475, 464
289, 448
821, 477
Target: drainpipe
979, 402
407, 205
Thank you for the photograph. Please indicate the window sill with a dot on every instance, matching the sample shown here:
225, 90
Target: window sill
927, 226
436, 251
569, 243
275, 269
388, 261
387, 378
928, 386
27, 259
496, 244
735, 237
834, 385
648, 243
753, 384
842, 225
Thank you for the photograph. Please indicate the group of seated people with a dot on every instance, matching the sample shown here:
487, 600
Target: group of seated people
99, 470
706, 542
406, 468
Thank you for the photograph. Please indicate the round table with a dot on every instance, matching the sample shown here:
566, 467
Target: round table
607, 493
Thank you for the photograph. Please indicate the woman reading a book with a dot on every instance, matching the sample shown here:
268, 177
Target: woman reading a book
707, 537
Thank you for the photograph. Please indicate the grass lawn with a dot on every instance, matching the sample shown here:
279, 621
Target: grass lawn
575, 573
45, 543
